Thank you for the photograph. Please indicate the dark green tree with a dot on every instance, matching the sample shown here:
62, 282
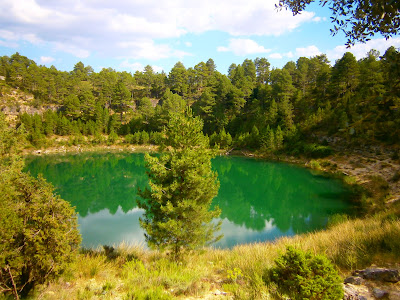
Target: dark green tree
262, 70
182, 185
121, 98
177, 79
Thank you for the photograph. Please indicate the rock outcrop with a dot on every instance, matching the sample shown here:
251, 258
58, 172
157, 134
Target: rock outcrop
373, 283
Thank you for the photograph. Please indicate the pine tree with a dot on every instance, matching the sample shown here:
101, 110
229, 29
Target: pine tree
182, 185
278, 137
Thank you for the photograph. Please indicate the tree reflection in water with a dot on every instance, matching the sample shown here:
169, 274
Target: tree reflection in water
260, 200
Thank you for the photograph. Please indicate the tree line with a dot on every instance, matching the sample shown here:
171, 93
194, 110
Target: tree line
296, 107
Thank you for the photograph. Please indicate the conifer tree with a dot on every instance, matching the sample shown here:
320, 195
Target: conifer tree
182, 185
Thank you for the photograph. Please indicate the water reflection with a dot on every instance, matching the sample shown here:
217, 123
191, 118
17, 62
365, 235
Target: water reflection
259, 200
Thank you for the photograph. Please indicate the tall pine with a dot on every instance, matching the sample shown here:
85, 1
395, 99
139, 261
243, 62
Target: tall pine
182, 185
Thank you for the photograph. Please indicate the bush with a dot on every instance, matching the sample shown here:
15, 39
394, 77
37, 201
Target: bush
144, 138
39, 233
112, 138
315, 165
304, 276
156, 137
129, 139
98, 138
317, 151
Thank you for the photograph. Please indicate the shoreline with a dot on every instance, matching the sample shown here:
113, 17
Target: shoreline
359, 168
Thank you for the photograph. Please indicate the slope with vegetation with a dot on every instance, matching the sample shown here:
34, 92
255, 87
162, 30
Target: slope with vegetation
307, 107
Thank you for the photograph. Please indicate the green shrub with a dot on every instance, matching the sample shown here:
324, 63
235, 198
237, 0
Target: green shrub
39, 233
156, 137
144, 138
129, 139
317, 151
112, 138
148, 294
304, 276
315, 165
98, 138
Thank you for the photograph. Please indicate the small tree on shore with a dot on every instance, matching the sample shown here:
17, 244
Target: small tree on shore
182, 185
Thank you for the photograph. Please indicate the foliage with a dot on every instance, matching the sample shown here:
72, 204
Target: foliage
39, 233
304, 276
294, 109
182, 186
235, 274
112, 138
365, 18
317, 151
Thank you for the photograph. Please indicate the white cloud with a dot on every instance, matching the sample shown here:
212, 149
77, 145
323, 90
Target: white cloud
32, 38
136, 66
46, 59
188, 44
308, 51
10, 36
7, 35
72, 49
275, 56
243, 47
106, 27
319, 19
139, 26
146, 48
360, 50
9, 44
157, 69
252, 17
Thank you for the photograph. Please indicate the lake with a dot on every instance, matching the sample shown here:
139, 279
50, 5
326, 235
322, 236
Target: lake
260, 200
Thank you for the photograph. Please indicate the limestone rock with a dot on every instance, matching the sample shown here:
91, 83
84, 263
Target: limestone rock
379, 294
357, 280
352, 292
380, 274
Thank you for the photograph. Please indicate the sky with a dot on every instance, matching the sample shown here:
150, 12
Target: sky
127, 35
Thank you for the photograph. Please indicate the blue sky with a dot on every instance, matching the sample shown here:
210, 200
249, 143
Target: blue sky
127, 35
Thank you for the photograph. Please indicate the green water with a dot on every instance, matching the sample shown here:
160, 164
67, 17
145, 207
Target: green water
260, 200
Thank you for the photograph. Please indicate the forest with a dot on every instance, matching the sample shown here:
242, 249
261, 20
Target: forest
305, 107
